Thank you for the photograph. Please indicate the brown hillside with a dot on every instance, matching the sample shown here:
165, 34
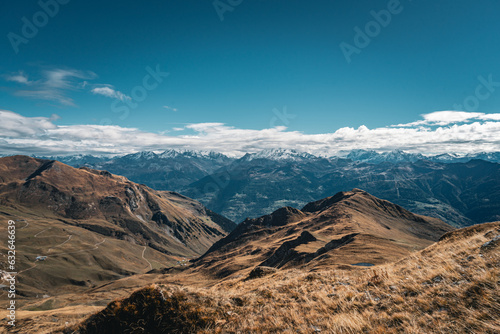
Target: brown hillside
94, 226
343, 230
451, 286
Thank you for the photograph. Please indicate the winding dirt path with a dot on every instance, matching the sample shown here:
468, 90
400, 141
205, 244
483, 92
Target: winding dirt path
150, 265
69, 238
36, 235
96, 246
22, 271
27, 224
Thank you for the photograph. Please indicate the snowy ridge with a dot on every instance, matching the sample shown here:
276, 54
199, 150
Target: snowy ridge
174, 153
279, 154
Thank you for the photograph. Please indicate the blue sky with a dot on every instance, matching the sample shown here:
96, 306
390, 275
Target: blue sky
87, 65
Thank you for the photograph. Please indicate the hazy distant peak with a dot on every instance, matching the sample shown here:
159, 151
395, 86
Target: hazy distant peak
390, 156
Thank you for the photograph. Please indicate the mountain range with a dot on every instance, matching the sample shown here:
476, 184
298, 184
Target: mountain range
360, 155
461, 190
169, 170
458, 193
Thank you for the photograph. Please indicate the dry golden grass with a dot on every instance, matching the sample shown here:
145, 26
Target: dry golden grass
449, 287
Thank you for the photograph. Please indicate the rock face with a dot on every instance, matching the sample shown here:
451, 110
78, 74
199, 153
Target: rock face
491, 245
286, 252
261, 271
349, 228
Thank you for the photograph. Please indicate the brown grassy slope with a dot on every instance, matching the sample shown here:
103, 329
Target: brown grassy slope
108, 204
344, 229
450, 287
94, 227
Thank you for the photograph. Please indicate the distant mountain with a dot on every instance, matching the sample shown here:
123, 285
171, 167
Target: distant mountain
259, 183
459, 193
450, 158
493, 156
68, 214
203, 162
373, 157
169, 170
398, 156
279, 155
343, 230
77, 160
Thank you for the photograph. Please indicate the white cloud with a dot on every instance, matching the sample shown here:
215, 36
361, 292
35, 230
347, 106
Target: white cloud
490, 117
207, 127
14, 125
53, 86
170, 108
56, 84
471, 133
442, 118
109, 91
447, 117
19, 78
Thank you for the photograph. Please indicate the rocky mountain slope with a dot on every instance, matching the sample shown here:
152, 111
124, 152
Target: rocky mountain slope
350, 228
93, 226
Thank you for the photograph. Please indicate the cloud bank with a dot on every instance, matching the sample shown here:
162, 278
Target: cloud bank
436, 133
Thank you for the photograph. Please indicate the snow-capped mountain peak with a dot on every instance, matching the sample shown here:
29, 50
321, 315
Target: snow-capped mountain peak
173, 153
146, 155
279, 154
